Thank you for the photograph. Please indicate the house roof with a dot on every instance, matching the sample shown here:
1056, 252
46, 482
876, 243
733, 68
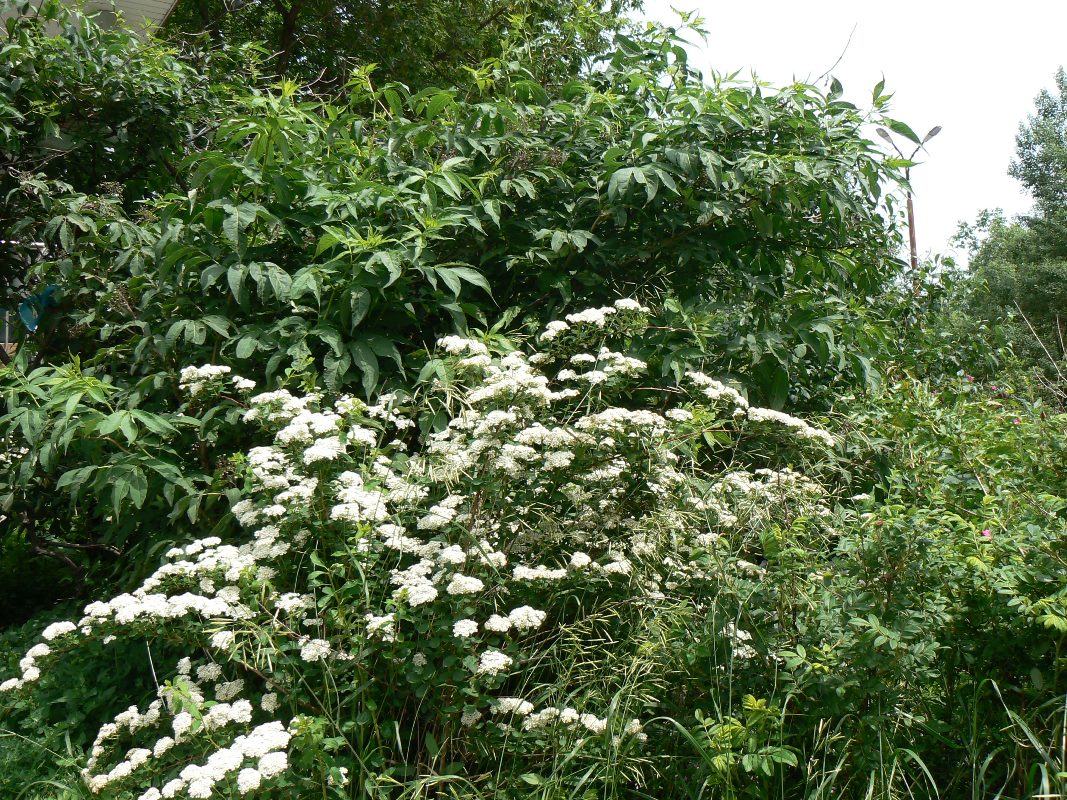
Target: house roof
138, 13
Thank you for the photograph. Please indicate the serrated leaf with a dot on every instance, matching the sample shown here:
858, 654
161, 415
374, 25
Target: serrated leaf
360, 302
622, 179
237, 219
235, 276
280, 282
367, 362
901, 129
438, 103
246, 347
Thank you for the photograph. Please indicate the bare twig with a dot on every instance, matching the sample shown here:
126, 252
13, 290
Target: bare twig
840, 57
1055, 364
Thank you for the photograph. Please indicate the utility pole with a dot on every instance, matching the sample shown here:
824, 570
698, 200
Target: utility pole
909, 162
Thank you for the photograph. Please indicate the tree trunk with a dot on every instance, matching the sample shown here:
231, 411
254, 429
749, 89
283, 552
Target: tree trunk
287, 35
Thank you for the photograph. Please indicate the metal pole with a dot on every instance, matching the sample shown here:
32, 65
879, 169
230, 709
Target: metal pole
911, 238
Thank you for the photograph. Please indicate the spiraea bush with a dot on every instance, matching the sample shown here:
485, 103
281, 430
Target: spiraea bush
491, 612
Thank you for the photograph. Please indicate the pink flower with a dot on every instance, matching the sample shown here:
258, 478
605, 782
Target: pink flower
1016, 421
988, 534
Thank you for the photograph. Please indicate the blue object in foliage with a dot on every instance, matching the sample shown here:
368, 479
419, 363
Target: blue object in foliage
33, 307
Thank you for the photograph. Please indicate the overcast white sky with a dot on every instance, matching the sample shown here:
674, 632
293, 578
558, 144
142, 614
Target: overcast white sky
973, 68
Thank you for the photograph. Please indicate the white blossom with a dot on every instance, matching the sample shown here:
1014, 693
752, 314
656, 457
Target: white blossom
512, 705
492, 662
315, 650
464, 584
57, 629
464, 628
498, 624
248, 780
525, 618
273, 764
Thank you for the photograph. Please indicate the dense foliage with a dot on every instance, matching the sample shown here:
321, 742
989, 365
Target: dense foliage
417, 42
92, 113
341, 238
1020, 266
335, 466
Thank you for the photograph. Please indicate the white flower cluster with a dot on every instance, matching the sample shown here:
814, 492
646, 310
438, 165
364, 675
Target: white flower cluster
357, 503
794, 424
382, 627
307, 425
593, 317
567, 717
464, 628
463, 584
493, 662
512, 705
528, 495
715, 391
57, 629
256, 755
523, 618
28, 666
458, 345
609, 365
194, 379
739, 642
278, 406
314, 649
570, 718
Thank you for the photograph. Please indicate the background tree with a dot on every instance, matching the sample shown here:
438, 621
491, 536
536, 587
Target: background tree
1023, 264
1041, 148
415, 42
97, 113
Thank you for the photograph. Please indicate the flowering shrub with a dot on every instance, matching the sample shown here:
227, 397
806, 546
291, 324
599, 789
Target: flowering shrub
458, 609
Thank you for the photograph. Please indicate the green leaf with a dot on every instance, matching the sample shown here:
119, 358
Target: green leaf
330, 336
110, 423
472, 276
901, 129
280, 282
237, 219
246, 346
235, 276
392, 98
778, 390
217, 323
154, 422
392, 263
360, 303
451, 280
305, 281
363, 356
127, 426
438, 103
621, 181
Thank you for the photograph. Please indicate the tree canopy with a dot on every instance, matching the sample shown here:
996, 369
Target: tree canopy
1041, 148
415, 42
1023, 263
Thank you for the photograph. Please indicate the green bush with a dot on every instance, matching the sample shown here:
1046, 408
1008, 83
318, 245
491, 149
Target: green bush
494, 611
